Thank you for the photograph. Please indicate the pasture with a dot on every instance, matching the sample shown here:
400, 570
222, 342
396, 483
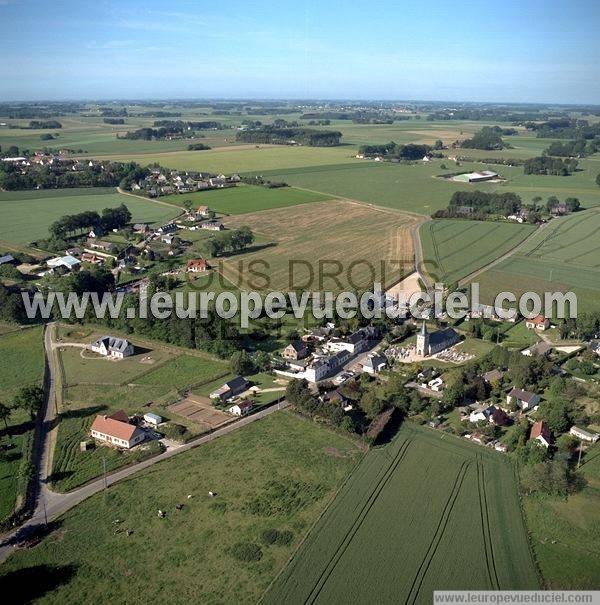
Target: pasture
424, 512
278, 473
452, 249
26, 215
357, 243
565, 532
21, 364
561, 257
247, 198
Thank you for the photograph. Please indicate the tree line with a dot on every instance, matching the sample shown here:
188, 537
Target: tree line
229, 241
287, 136
546, 165
391, 150
72, 224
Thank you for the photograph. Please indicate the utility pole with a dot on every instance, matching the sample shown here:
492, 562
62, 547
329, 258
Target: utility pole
45, 511
579, 460
104, 472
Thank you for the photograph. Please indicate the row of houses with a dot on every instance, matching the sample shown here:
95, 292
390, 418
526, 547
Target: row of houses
167, 182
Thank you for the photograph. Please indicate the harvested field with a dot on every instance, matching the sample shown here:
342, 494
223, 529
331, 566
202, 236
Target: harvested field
200, 410
355, 243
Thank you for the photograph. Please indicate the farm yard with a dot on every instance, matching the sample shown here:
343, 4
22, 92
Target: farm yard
22, 349
272, 480
452, 249
150, 380
344, 233
247, 198
422, 512
562, 257
26, 215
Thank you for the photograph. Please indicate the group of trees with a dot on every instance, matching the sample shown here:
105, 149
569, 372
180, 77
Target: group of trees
290, 136
547, 165
44, 124
73, 224
487, 138
391, 150
575, 148
114, 121
482, 204
584, 327
229, 241
565, 128
61, 175
198, 147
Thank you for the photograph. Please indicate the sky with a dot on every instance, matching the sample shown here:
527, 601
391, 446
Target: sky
510, 51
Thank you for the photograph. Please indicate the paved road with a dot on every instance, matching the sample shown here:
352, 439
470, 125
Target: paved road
418, 249
51, 505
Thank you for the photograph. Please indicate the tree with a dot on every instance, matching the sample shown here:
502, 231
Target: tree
5, 413
371, 404
241, 363
550, 477
29, 398
262, 360
598, 180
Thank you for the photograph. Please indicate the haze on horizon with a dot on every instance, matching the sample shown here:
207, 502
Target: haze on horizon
538, 52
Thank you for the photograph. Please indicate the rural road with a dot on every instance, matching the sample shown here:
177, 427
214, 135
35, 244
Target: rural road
51, 505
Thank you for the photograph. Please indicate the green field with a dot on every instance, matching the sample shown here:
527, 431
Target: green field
247, 198
452, 249
277, 473
26, 215
21, 364
561, 257
425, 512
566, 534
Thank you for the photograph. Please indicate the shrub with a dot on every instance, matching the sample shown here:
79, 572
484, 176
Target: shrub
246, 551
274, 536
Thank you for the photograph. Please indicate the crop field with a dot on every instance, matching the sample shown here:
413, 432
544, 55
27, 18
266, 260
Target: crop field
425, 511
276, 474
409, 187
245, 158
453, 249
148, 380
247, 198
348, 238
565, 532
561, 257
24, 350
26, 215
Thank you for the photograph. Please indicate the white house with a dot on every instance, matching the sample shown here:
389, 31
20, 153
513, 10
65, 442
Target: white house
481, 413
153, 419
68, 262
111, 346
241, 409
374, 363
437, 384
523, 399
115, 430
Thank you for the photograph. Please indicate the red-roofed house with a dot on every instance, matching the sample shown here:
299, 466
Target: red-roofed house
197, 266
116, 430
538, 323
540, 432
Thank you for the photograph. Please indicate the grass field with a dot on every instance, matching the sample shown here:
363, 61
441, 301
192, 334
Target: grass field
329, 232
26, 215
453, 248
278, 473
149, 380
425, 511
24, 350
562, 257
566, 534
247, 198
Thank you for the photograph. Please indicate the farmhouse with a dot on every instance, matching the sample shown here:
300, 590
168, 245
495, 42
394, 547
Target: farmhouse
203, 211
523, 399
317, 370
295, 350
584, 435
89, 257
231, 388
96, 244
168, 228
213, 225
241, 409
197, 266
116, 430
430, 344
482, 413
142, 228
539, 322
493, 376
541, 349
357, 342
111, 346
541, 433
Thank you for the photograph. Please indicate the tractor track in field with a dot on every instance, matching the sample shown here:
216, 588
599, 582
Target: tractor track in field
488, 544
417, 582
374, 495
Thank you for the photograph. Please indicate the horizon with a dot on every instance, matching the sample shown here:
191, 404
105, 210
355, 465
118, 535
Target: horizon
534, 54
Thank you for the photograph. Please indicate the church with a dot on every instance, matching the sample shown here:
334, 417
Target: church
430, 344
